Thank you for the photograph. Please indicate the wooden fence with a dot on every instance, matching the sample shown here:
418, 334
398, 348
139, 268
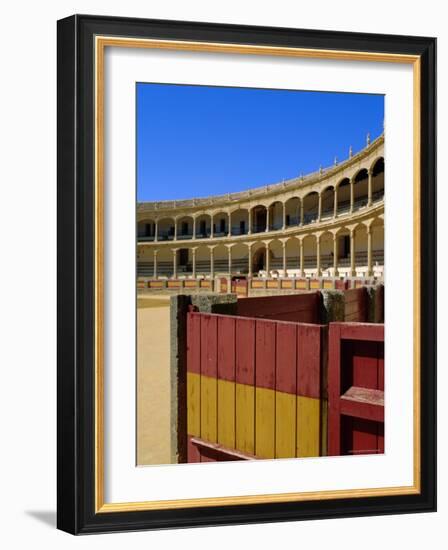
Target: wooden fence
300, 308
254, 388
356, 388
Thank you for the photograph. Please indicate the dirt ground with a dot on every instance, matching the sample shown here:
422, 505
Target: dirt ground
153, 380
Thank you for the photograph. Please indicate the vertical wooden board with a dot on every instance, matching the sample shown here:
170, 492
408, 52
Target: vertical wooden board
194, 342
226, 413
245, 351
285, 425
265, 354
308, 426
193, 404
209, 408
264, 422
364, 364
209, 335
245, 418
309, 354
380, 353
334, 390
380, 443
364, 437
226, 348
286, 358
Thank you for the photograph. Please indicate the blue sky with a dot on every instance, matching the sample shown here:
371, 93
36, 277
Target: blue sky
194, 141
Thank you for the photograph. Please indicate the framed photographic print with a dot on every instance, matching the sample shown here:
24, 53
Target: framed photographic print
246, 274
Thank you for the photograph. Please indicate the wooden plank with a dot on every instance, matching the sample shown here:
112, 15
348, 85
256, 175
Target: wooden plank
308, 427
363, 403
264, 422
265, 338
286, 386
245, 418
226, 380
361, 331
285, 425
334, 390
209, 382
309, 357
217, 452
380, 354
303, 308
194, 342
193, 403
226, 413
364, 364
193, 454
245, 381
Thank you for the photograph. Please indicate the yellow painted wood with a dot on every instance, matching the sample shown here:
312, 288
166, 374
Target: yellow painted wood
285, 425
308, 426
209, 408
194, 403
264, 423
314, 284
324, 427
245, 418
226, 413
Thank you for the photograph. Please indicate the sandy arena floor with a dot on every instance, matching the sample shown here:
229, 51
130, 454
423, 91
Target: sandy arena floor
153, 380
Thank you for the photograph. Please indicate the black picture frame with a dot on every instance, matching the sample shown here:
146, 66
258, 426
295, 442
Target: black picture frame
76, 254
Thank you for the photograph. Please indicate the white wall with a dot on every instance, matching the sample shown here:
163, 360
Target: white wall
28, 270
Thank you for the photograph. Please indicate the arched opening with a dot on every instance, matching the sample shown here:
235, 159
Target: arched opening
202, 261
276, 258
378, 180
377, 229
146, 230
327, 203
343, 196
292, 256
292, 217
221, 260
165, 229
240, 222
343, 251
185, 228
259, 259
275, 216
259, 214
310, 207
240, 258
309, 255
221, 224
184, 262
360, 189
203, 226
326, 253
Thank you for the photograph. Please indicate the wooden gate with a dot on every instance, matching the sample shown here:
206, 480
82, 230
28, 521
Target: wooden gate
356, 389
254, 388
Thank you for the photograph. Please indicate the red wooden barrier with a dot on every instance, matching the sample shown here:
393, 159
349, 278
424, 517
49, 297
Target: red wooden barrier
356, 389
299, 308
356, 305
254, 388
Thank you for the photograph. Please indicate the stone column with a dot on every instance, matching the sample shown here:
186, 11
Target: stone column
175, 229
319, 208
156, 231
193, 259
369, 188
335, 255
284, 259
267, 219
211, 226
175, 263
301, 211
155, 263
284, 215
249, 267
267, 262
352, 195
369, 252
335, 211
229, 253
229, 215
212, 266
352, 253
194, 228
319, 273
302, 259
249, 221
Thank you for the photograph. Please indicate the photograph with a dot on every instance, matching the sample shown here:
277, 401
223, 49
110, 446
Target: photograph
260, 273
